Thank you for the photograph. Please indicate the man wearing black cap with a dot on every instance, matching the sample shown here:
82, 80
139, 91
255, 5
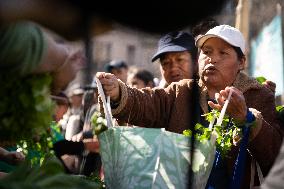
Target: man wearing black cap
177, 54
119, 68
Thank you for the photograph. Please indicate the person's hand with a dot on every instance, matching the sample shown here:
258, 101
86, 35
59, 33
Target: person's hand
237, 108
78, 137
14, 157
110, 85
92, 145
270, 85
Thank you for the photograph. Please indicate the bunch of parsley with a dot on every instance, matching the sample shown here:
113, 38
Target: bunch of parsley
26, 107
225, 132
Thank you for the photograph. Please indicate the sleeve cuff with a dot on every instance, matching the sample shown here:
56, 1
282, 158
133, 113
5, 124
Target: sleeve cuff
258, 123
123, 98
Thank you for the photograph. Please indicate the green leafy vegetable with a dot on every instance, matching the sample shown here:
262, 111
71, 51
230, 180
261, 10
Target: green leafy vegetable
280, 113
39, 148
99, 123
225, 133
26, 108
260, 79
280, 108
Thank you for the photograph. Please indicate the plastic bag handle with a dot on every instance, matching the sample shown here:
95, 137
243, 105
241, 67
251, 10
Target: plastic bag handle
106, 104
220, 119
223, 111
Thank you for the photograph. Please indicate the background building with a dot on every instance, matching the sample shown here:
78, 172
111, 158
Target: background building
134, 47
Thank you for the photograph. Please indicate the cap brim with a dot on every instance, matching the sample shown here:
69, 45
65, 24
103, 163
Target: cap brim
110, 67
77, 91
173, 48
201, 40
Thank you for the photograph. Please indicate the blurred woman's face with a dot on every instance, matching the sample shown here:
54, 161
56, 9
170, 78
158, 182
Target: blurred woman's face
137, 83
218, 63
76, 100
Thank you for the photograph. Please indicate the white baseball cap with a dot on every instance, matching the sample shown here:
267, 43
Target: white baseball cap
228, 33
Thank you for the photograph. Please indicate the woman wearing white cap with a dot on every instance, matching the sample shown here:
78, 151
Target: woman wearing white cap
221, 61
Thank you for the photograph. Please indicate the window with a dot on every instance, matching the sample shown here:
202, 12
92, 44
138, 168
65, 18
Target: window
131, 54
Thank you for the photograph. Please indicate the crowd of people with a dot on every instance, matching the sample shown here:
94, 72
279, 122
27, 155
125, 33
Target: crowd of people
213, 56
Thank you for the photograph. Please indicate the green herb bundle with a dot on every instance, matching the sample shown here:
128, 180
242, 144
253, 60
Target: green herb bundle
26, 107
99, 123
37, 150
261, 79
280, 113
225, 132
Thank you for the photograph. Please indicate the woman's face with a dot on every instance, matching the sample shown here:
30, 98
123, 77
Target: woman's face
218, 63
137, 83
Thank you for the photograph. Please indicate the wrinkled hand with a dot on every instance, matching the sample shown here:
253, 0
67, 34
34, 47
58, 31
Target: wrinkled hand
15, 157
237, 108
110, 85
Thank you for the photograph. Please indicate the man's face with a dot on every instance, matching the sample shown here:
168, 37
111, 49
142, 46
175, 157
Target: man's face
176, 66
120, 73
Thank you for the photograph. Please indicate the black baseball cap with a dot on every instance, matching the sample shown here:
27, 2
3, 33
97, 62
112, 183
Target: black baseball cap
176, 41
115, 64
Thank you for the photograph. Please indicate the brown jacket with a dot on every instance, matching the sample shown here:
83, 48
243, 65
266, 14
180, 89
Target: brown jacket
171, 108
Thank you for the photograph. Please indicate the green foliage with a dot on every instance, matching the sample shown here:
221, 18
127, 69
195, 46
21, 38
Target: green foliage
187, 133
280, 113
50, 175
95, 178
260, 79
26, 108
99, 123
38, 148
280, 109
225, 134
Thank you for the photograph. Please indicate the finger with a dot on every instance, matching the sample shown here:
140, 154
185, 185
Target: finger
106, 79
224, 94
270, 85
19, 156
219, 98
226, 91
106, 82
110, 76
100, 75
214, 106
